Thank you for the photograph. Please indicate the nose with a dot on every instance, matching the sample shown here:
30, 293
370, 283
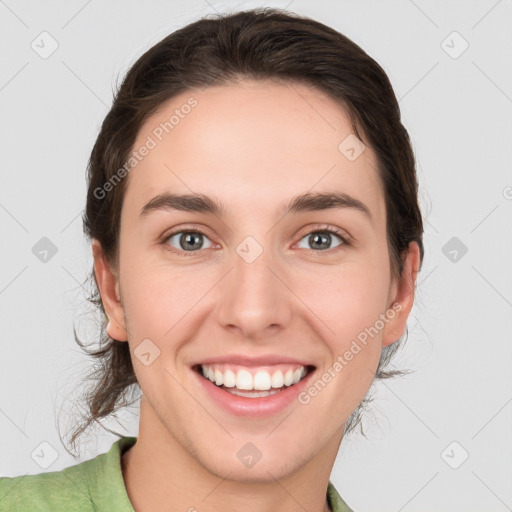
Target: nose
254, 298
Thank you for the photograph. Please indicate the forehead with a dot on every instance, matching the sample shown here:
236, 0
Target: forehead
253, 143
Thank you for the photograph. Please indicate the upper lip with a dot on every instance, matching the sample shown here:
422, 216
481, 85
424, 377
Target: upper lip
251, 361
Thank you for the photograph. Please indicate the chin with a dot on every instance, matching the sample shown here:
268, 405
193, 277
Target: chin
249, 464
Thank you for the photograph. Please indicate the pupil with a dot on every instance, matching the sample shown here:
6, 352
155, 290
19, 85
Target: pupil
323, 236
189, 240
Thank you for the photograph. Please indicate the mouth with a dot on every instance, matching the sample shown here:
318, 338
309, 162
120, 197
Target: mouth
253, 382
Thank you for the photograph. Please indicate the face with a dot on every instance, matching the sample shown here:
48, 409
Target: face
253, 294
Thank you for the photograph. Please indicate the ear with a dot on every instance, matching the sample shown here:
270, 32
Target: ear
402, 299
108, 285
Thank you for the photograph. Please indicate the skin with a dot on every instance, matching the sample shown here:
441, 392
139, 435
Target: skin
252, 145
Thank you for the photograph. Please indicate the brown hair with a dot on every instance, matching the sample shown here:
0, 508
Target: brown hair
259, 44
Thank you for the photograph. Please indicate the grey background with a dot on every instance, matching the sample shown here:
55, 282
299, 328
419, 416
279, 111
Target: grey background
458, 113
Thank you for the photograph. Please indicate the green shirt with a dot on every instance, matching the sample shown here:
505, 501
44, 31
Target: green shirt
92, 485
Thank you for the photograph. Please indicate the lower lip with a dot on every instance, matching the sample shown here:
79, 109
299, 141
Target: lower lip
253, 407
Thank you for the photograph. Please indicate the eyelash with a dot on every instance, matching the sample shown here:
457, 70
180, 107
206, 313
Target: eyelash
326, 229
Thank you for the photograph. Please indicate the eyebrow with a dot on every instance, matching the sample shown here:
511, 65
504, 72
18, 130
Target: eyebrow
307, 202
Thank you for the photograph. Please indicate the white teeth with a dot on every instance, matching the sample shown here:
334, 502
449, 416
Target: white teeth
297, 375
261, 381
278, 379
243, 380
219, 378
229, 379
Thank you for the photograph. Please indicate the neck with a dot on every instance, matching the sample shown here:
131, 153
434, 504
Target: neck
162, 473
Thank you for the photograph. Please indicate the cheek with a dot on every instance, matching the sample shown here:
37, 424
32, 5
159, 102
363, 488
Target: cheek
348, 299
348, 303
159, 298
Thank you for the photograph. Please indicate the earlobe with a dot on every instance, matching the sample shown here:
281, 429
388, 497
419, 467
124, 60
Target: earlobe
115, 331
404, 298
108, 285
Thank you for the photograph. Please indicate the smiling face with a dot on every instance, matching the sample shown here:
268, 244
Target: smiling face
260, 295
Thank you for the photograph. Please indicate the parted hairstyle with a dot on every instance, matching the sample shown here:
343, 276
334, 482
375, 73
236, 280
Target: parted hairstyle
264, 43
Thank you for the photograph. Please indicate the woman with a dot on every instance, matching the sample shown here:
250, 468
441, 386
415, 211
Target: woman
256, 234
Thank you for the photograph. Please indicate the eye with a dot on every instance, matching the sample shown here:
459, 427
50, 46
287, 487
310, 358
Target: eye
188, 241
322, 239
